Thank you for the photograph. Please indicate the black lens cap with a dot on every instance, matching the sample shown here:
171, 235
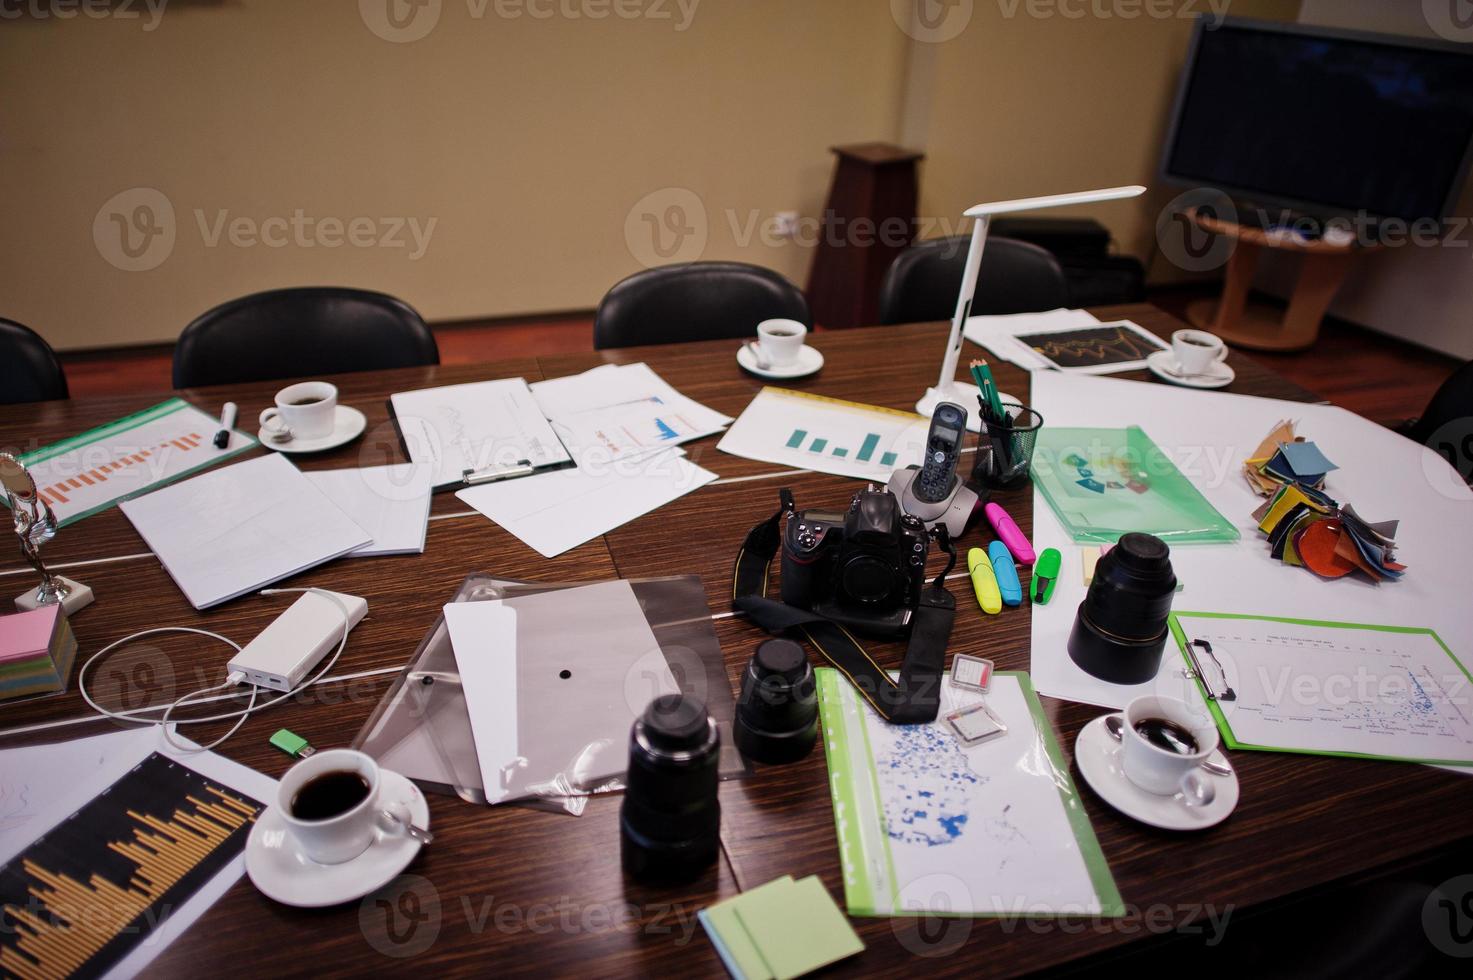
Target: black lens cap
1142, 552
675, 722
780, 658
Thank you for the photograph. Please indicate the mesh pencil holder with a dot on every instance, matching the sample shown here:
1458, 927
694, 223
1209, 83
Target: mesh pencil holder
1005, 452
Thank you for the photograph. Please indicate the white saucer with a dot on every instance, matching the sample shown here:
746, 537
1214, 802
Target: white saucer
1163, 366
348, 424
808, 362
282, 872
1098, 757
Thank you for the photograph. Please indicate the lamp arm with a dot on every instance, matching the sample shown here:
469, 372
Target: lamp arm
964, 301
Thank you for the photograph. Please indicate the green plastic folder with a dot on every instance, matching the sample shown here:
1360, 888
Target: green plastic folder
1102, 483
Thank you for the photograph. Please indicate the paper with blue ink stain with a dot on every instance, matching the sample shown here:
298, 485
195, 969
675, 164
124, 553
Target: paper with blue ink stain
927, 824
1388, 692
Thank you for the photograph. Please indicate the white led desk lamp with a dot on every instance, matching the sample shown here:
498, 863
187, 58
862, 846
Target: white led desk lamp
947, 388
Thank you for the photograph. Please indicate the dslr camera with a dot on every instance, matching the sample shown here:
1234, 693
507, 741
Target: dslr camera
864, 568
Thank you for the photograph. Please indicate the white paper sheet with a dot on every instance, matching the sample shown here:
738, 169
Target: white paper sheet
811, 432
942, 826
619, 410
28, 778
556, 512
995, 332
241, 527
476, 426
391, 503
1320, 688
1208, 435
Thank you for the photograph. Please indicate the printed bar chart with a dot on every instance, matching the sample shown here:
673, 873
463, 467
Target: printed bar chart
99, 883
828, 435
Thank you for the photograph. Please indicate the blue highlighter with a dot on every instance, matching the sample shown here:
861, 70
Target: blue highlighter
1007, 574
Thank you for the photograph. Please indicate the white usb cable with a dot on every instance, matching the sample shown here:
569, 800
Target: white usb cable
234, 678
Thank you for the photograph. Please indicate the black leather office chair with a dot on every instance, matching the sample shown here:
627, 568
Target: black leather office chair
1452, 402
288, 333
29, 369
1016, 277
674, 304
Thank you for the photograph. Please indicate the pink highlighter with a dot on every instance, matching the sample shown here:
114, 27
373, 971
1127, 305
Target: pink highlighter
1021, 550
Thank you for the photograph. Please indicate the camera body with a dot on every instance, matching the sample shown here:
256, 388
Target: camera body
863, 568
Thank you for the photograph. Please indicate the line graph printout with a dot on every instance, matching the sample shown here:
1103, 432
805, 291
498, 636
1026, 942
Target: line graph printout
827, 435
1333, 688
929, 825
1104, 349
95, 470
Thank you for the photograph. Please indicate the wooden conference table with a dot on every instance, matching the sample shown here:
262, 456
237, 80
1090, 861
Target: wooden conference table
511, 890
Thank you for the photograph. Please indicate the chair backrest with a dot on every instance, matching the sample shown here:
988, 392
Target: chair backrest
1015, 277
1452, 401
695, 301
29, 369
287, 333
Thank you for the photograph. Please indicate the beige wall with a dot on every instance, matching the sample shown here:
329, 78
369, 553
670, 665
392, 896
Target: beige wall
529, 152
527, 141
1029, 100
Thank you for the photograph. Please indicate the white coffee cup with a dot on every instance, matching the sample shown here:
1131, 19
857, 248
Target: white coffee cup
306, 410
348, 834
781, 340
1162, 771
1197, 350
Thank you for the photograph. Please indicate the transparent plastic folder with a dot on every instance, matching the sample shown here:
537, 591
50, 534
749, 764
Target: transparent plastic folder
421, 727
1102, 483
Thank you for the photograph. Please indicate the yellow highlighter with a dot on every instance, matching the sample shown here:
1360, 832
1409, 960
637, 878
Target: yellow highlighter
984, 582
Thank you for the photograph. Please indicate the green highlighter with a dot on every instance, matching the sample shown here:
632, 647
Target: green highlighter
1046, 575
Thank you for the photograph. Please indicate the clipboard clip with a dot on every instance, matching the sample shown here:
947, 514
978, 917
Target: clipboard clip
1196, 671
491, 474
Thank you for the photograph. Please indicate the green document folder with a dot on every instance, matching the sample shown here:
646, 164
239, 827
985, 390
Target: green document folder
1102, 483
929, 826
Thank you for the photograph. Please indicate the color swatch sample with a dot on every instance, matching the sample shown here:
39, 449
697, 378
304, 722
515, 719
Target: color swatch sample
90, 472
100, 883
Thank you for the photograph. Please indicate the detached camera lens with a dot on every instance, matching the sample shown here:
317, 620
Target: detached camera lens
1120, 631
670, 819
777, 714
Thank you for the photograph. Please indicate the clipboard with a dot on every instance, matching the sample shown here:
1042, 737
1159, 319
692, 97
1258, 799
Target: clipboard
1276, 684
477, 433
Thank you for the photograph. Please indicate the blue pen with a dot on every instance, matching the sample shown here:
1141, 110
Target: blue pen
1007, 574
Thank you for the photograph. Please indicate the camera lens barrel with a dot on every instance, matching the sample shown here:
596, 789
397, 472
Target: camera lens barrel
777, 712
670, 821
1120, 631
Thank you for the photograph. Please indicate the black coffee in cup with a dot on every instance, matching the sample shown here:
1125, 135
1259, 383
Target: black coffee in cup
299, 402
329, 795
1166, 734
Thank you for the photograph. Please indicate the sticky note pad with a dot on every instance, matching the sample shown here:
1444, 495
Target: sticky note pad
799, 929
735, 947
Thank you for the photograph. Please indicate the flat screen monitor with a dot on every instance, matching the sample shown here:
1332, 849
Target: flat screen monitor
1325, 121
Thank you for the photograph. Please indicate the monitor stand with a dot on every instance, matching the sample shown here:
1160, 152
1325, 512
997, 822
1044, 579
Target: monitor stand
1262, 326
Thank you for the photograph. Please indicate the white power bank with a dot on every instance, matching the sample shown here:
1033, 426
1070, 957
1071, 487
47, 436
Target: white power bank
282, 653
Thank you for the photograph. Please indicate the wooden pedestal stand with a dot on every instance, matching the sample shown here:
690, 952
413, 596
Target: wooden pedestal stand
1260, 326
874, 183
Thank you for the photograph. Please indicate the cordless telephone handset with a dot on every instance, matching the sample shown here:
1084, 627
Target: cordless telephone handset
943, 451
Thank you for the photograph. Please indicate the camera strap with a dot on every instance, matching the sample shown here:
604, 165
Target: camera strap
912, 699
